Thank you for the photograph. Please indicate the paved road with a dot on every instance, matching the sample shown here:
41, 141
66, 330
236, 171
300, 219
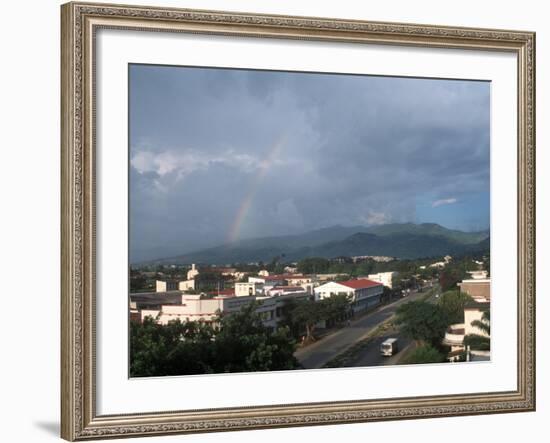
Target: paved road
317, 354
370, 355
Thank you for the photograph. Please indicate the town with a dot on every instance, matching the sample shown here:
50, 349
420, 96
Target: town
311, 314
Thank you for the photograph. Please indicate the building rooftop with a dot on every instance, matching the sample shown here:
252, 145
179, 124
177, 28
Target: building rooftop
153, 294
226, 292
277, 276
475, 280
287, 288
360, 284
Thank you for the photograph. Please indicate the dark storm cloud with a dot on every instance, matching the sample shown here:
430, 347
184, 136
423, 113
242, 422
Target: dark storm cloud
306, 151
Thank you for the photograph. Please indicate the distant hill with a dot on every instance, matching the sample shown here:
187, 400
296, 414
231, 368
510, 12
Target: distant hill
429, 229
400, 245
311, 238
405, 240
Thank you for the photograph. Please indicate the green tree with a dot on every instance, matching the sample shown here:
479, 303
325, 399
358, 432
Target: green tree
335, 308
487, 264
425, 354
449, 277
477, 341
137, 283
276, 266
288, 320
455, 272
306, 314
210, 281
366, 267
485, 323
313, 265
238, 342
243, 344
302, 316
452, 304
422, 321
172, 349
396, 282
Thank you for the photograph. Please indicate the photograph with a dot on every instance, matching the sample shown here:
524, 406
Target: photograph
289, 220
273, 220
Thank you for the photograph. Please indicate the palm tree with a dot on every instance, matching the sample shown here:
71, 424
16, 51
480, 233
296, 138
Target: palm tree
480, 342
485, 323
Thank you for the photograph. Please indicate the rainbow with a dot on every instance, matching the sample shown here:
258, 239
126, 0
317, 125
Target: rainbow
244, 207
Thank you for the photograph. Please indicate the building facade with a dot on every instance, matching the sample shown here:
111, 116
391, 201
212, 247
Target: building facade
386, 278
243, 289
477, 288
364, 293
166, 285
200, 307
480, 291
193, 272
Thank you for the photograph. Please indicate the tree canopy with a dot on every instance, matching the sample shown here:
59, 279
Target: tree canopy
455, 272
477, 341
452, 305
304, 315
425, 354
422, 321
238, 343
313, 265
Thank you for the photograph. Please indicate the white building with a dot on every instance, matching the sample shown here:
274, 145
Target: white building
298, 279
166, 285
386, 278
364, 293
199, 307
327, 277
376, 258
193, 272
285, 290
479, 290
305, 281
174, 285
243, 289
454, 337
178, 285
238, 275
478, 275
186, 285
268, 280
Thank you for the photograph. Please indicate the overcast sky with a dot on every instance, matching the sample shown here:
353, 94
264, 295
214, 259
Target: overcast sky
220, 155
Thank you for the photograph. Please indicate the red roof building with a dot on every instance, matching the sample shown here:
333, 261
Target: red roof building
360, 284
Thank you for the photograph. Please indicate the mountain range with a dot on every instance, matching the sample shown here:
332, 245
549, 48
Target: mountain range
400, 240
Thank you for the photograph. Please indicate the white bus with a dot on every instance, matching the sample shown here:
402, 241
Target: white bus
389, 347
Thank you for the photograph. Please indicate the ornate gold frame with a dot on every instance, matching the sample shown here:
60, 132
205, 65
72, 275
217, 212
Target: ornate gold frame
79, 23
